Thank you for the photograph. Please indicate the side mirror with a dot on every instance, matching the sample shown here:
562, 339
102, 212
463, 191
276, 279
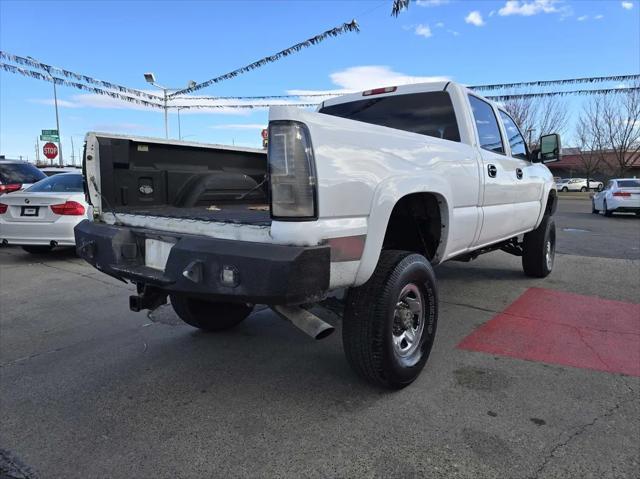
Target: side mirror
550, 148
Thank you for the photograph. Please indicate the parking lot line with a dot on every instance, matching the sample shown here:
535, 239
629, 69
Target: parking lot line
564, 328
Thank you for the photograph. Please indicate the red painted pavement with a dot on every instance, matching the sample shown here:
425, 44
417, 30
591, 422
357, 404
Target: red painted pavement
564, 328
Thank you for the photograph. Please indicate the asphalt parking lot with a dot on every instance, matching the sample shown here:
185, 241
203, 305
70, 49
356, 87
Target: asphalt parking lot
90, 389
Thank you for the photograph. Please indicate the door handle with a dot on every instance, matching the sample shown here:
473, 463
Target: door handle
519, 173
492, 171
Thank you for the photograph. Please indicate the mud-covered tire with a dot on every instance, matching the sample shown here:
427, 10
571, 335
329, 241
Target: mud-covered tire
376, 312
37, 249
208, 315
539, 248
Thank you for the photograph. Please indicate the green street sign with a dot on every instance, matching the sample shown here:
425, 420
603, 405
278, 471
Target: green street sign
54, 138
49, 132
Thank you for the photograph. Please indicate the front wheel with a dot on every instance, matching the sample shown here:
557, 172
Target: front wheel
564, 189
209, 315
390, 321
583, 189
539, 249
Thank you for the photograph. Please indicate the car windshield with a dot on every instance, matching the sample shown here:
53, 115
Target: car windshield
629, 183
20, 173
64, 183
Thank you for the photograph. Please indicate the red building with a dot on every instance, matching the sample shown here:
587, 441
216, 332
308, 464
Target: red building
572, 165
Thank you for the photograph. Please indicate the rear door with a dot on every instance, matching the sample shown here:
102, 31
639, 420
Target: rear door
498, 171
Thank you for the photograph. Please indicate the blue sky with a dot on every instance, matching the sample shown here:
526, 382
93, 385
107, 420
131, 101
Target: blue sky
472, 42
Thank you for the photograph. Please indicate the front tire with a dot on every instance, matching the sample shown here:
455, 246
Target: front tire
539, 249
583, 189
564, 189
37, 249
208, 315
390, 321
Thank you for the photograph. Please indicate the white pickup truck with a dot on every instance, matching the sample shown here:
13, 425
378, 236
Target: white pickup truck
365, 194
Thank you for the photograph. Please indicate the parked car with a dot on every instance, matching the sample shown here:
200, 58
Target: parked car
44, 215
620, 195
578, 184
16, 175
56, 170
366, 194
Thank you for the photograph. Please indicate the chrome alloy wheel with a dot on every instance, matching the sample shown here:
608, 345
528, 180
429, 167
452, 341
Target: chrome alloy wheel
549, 253
408, 320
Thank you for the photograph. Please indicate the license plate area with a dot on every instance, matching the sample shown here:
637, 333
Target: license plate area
29, 211
156, 253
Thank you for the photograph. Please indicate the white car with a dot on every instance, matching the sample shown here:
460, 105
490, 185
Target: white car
16, 175
578, 184
43, 216
620, 195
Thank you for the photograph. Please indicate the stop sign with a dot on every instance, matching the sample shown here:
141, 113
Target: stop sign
50, 150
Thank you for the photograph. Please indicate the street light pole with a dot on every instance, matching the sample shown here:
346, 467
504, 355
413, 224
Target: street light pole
166, 112
151, 79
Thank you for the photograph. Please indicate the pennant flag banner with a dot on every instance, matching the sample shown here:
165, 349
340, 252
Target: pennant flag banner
569, 81
248, 106
334, 32
61, 81
33, 63
605, 91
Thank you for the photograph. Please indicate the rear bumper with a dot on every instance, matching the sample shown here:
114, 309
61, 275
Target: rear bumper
24, 233
623, 205
265, 273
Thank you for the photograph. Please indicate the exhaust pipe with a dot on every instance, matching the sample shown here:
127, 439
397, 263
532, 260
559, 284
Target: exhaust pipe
308, 322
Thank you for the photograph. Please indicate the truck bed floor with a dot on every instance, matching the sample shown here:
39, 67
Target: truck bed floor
258, 215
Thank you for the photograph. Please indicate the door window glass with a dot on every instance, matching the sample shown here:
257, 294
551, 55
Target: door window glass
487, 125
514, 137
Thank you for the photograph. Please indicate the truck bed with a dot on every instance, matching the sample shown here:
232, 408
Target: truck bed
247, 214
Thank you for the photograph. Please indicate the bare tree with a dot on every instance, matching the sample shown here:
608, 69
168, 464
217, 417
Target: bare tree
538, 116
591, 137
620, 118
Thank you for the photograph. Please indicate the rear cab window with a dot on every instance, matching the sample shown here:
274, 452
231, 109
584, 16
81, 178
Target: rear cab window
427, 113
487, 125
12, 173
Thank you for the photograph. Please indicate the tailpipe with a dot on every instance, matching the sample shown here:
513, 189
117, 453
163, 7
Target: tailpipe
304, 320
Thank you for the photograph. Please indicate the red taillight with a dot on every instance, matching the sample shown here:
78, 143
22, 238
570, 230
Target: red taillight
10, 187
622, 193
3, 208
70, 208
379, 91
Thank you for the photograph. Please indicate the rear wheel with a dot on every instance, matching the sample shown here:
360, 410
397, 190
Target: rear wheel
37, 249
593, 207
539, 249
564, 189
209, 315
607, 212
583, 189
390, 321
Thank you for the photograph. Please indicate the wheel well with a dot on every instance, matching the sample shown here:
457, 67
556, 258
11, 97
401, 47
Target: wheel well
415, 225
552, 203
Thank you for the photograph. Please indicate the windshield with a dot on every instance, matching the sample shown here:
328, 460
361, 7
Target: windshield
63, 183
428, 113
19, 173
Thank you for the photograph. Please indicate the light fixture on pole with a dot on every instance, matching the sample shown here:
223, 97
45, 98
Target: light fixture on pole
151, 79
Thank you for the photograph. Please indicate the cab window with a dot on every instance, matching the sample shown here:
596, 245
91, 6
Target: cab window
487, 125
514, 137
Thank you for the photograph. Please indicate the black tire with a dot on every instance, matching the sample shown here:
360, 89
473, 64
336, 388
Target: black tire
564, 189
37, 249
583, 189
375, 316
600, 187
607, 212
593, 208
209, 315
539, 248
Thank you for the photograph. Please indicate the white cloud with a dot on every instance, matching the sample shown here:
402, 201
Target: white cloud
238, 126
50, 101
627, 5
492, 13
582, 18
423, 31
474, 18
453, 32
440, 25
598, 17
431, 3
525, 8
